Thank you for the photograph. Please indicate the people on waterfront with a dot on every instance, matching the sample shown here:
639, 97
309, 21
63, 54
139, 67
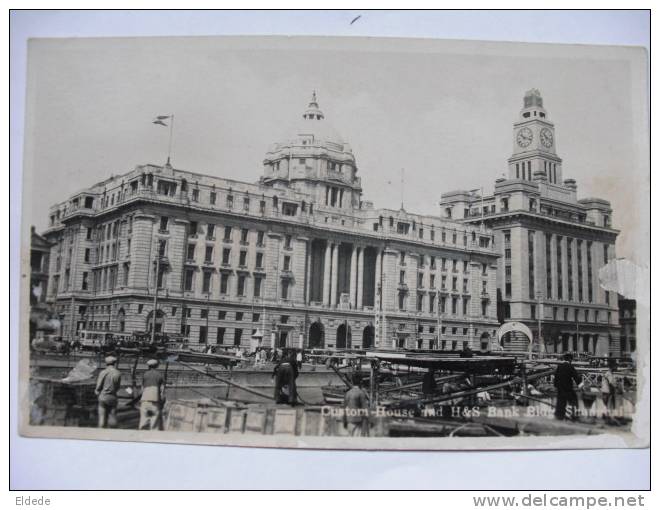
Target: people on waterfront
608, 388
285, 374
299, 359
356, 409
565, 376
107, 386
153, 397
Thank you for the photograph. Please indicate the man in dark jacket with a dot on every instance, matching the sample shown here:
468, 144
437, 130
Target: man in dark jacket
565, 375
429, 386
285, 374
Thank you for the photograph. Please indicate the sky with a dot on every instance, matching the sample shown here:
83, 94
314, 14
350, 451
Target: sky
443, 112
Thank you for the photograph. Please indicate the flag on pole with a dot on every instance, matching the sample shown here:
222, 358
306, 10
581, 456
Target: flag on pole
160, 118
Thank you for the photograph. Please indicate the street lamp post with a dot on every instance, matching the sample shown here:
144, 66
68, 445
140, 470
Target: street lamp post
153, 321
539, 295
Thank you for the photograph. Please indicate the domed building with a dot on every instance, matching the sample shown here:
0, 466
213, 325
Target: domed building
315, 160
296, 259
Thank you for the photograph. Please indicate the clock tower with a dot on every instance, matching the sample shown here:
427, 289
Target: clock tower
534, 142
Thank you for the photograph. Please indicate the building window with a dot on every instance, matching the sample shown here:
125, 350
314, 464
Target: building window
164, 221
402, 300
246, 204
222, 314
162, 248
579, 264
257, 286
242, 258
287, 263
190, 255
224, 283
220, 336
210, 231
548, 266
226, 254
241, 285
244, 236
533, 311
212, 197
230, 201
206, 282
285, 289
260, 238
208, 255
88, 255
454, 305
287, 242
590, 287
530, 251
188, 280
569, 264
259, 263
203, 313
237, 336
192, 232
560, 283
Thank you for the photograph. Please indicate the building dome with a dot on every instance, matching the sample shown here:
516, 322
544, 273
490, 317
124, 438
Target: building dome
312, 131
314, 159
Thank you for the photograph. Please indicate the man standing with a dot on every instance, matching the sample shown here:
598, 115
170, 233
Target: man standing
608, 389
285, 374
565, 375
153, 397
356, 409
107, 386
429, 386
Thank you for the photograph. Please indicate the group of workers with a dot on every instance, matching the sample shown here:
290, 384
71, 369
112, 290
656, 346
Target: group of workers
152, 397
285, 373
567, 378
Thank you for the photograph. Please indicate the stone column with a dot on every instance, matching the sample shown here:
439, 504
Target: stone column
326, 274
379, 259
360, 277
334, 275
353, 281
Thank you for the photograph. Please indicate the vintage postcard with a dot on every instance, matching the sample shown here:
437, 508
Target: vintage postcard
336, 243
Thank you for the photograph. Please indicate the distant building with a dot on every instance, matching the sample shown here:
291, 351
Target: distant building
551, 244
628, 322
298, 256
39, 263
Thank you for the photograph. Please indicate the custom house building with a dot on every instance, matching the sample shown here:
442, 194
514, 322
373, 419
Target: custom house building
297, 259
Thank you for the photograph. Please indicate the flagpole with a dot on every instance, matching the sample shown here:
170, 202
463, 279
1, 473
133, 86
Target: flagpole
169, 147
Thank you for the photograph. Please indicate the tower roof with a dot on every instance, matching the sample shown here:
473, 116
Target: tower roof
533, 98
313, 129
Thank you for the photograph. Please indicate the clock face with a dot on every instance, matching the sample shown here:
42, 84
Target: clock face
524, 137
546, 137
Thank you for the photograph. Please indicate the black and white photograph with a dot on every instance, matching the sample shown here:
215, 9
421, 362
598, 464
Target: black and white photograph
354, 243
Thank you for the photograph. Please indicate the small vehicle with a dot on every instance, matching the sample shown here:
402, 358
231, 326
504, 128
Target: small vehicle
51, 344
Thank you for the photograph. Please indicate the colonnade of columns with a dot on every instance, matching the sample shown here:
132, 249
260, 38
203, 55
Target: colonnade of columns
357, 268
